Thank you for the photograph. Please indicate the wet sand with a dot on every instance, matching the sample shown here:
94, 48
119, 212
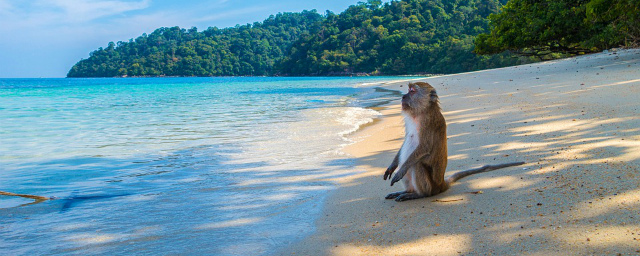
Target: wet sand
576, 122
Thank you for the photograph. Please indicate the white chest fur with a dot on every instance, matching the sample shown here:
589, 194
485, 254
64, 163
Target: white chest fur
411, 140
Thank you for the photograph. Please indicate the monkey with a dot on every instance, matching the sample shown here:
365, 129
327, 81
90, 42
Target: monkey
422, 158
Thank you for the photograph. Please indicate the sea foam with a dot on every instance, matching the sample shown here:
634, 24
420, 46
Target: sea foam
203, 165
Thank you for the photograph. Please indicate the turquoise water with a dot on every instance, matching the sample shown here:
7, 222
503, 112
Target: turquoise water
216, 166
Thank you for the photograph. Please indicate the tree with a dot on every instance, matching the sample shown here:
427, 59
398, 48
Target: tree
394, 38
250, 49
399, 37
621, 20
543, 27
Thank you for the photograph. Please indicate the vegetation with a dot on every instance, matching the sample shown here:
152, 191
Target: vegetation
250, 49
543, 27
399, 37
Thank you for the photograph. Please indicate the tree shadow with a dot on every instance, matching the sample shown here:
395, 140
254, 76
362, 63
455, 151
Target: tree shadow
578, 193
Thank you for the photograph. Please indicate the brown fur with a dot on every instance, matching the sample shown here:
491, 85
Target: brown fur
423, 170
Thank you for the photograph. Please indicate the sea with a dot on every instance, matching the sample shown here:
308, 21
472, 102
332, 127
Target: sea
174, 166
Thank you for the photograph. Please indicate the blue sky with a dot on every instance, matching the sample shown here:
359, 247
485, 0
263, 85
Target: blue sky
44, 38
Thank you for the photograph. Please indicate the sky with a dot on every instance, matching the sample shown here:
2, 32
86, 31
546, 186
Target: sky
45, 38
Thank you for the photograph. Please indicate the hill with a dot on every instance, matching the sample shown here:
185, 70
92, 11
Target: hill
400, 37
250, 49
395, 38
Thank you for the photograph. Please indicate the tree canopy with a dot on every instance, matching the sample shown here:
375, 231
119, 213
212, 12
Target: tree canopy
541, 27
394, 38
249, 50
400, 37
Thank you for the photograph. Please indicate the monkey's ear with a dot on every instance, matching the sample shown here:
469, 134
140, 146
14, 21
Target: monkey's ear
433, 96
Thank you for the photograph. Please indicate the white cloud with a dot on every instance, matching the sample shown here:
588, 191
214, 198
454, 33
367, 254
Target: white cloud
18, 14
6, 9
86, 10
45, 37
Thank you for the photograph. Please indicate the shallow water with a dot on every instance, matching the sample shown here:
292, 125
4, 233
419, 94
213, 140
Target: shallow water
220, 166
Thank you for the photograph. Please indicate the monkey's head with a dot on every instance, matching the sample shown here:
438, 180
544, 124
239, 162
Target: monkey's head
420, 98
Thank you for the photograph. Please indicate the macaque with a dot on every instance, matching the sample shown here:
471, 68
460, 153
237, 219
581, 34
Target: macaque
423, 156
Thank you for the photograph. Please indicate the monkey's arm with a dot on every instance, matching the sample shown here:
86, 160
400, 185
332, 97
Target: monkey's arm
392, 167
413, 159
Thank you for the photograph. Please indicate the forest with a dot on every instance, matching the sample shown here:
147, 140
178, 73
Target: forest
548, 28
373, 38
247, 50
397, 38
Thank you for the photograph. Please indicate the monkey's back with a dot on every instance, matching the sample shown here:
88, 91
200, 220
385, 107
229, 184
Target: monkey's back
429, 173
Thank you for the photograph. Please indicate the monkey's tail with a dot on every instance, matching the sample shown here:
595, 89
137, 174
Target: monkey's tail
459, 175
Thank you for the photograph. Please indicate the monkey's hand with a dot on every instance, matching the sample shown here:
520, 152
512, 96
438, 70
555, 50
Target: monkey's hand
387, 174
392, 167
413, 160
398, 176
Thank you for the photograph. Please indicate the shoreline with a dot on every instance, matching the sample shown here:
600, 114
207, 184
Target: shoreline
574, 121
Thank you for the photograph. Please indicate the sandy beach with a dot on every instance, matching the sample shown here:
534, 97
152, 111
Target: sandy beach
576, 124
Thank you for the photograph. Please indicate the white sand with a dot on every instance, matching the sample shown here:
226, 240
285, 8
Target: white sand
576, 122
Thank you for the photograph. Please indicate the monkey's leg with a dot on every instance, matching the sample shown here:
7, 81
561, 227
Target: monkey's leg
395, 195
408, 196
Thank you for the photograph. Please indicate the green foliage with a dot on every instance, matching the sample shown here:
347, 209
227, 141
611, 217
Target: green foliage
251, 49
620, 20
400, 37
542, 27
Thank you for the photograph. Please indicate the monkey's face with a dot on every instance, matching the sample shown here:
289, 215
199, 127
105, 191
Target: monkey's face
419, 98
